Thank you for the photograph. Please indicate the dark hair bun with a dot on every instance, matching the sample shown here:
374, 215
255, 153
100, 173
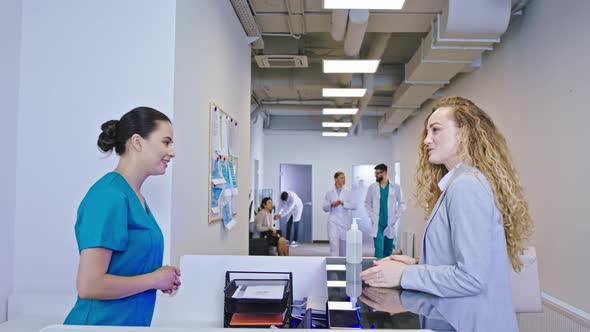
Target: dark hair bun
108, 138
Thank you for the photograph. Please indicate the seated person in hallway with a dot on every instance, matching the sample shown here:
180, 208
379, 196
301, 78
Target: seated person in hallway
338, 202
263, 228
479, 218
291, 207
120, 243
384, 203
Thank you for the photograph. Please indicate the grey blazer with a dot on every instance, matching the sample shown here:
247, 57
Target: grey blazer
464, 313
464, 249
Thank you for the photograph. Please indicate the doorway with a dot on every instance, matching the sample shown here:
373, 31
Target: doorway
297, 178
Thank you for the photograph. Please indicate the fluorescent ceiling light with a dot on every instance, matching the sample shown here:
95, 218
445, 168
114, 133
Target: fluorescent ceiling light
364, 4
337, 124
340, 111
335, 133
351, 66
344, 92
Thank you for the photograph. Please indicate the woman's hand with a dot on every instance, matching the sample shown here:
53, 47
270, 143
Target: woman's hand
404, 259
385, 273
383, 299
167, 279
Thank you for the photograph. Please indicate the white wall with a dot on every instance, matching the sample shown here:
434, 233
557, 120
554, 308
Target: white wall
257, 147
212, 65
327, 155
534, 85
82, 63
10, 33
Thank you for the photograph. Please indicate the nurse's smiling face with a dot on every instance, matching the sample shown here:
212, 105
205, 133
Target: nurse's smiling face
157, 149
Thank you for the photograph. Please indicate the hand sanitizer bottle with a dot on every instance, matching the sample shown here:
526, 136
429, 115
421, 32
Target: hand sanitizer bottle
354, 285
354, 244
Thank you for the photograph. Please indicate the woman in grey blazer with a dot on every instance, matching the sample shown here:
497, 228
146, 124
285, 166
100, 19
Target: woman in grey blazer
478, 217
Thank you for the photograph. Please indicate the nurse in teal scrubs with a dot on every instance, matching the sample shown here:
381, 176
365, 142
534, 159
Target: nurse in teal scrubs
120, 243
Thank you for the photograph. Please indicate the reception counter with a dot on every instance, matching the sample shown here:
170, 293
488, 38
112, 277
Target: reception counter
199, 304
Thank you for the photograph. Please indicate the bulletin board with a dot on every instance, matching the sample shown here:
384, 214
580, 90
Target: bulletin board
223, 167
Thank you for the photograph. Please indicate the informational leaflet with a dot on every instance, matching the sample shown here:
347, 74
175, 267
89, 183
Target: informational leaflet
216, 174
215, 201
228, 220
233, 139
216, 129
226, 175
224, 120
232, 175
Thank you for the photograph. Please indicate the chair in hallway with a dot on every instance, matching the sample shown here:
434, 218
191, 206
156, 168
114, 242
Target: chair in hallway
526, 291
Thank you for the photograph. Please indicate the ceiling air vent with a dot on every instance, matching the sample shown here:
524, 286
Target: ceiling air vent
281, 61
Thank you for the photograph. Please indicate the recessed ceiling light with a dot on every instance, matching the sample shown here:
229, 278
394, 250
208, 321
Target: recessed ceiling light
364, 4
340, 111
344, 92
336, 124
335, 133
351, 66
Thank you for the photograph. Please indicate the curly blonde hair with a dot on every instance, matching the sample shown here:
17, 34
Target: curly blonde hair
485, 148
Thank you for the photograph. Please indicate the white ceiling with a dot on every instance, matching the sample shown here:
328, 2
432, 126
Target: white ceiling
303, 27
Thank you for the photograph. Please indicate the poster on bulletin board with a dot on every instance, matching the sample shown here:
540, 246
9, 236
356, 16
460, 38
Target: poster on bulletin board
223, 166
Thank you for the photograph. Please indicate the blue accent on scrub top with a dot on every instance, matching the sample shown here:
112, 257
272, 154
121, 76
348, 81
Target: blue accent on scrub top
383, 210
111, 216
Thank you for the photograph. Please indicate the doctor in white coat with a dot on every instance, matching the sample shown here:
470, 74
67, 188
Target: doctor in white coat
338, 203
384, 204
291, 208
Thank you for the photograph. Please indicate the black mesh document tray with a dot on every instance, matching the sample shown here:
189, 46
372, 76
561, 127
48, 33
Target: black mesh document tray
258, 305
237, 295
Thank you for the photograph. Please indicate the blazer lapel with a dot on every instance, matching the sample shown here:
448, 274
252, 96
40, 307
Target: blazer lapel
458, 172
436, 206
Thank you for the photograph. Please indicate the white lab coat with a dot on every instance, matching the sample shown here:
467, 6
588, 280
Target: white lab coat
293, 206
395, 206
339, 218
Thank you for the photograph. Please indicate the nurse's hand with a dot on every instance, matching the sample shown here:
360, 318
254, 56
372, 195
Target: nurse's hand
166, 278
277, 216
385, 273
173, 289
404, 259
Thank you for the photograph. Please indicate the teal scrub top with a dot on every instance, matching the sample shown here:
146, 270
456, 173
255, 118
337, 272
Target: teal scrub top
383, 211
111, 216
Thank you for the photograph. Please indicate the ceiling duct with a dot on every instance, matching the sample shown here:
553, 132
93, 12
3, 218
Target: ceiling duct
245, 16
456, 40
358, 19
339, 20
375, 52
281, 61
